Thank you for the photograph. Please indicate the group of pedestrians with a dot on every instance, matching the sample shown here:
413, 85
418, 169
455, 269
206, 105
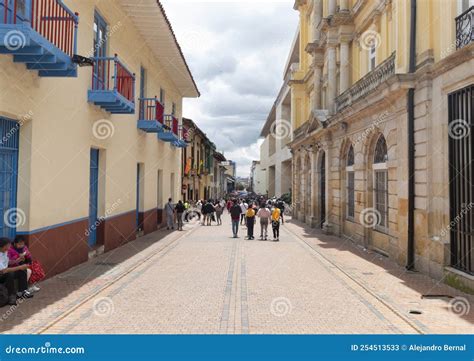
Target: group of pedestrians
242, 212
246, 213
210, 211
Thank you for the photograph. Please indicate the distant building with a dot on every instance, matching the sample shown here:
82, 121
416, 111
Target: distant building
202, 173
257, 182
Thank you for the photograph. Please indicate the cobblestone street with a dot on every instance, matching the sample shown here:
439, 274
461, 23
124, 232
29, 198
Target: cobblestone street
203, 281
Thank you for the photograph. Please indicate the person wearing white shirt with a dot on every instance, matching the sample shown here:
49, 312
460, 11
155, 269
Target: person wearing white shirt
243, 206
8, 275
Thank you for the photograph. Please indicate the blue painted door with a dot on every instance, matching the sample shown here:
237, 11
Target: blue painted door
142, 92
9, 132
93, 197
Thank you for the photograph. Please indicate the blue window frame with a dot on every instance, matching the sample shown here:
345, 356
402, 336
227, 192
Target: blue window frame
100, 51
9, 141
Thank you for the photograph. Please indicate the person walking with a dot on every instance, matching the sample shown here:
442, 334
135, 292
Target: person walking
169, 210
180, 209
235, 212
243, 206
250, 221
281, 206
276, 214
229, 205
209, 211
264, 214
219, 210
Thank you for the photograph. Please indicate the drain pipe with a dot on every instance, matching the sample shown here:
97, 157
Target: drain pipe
411, 143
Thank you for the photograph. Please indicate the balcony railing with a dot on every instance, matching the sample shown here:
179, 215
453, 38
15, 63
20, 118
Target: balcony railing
182, 137
41, 33
367, 84
113, 85
465, 28
151, 113
170, 129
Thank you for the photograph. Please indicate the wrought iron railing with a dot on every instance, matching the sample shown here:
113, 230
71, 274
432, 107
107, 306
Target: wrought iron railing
50, 18
118, 79
367, 83
465, 28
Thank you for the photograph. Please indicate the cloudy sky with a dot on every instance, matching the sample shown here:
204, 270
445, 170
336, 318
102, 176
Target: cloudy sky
236, 51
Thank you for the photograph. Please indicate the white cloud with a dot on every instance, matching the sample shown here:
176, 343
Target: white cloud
236, 51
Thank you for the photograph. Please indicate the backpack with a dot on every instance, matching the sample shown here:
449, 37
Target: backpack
3, 295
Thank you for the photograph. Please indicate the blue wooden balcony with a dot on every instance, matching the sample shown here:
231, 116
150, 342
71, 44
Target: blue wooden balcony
113, 86
169, 133
40, 33
150, 118
182, 138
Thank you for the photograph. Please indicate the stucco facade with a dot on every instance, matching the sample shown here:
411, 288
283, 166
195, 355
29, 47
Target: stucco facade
351, 135
59, 127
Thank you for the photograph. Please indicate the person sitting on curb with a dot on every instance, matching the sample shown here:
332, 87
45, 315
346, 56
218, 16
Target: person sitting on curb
18, 255
8, 275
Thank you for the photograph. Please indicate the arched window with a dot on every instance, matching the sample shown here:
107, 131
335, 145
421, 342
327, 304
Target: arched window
381, 182
350, 189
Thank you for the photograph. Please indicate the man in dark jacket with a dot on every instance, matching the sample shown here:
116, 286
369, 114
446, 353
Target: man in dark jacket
209, 209
235, 212
180, 208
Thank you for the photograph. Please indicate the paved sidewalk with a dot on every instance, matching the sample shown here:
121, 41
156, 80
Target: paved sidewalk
202, 281
401, 290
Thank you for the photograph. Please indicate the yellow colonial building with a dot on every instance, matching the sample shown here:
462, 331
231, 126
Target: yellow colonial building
382, 114
90, 113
